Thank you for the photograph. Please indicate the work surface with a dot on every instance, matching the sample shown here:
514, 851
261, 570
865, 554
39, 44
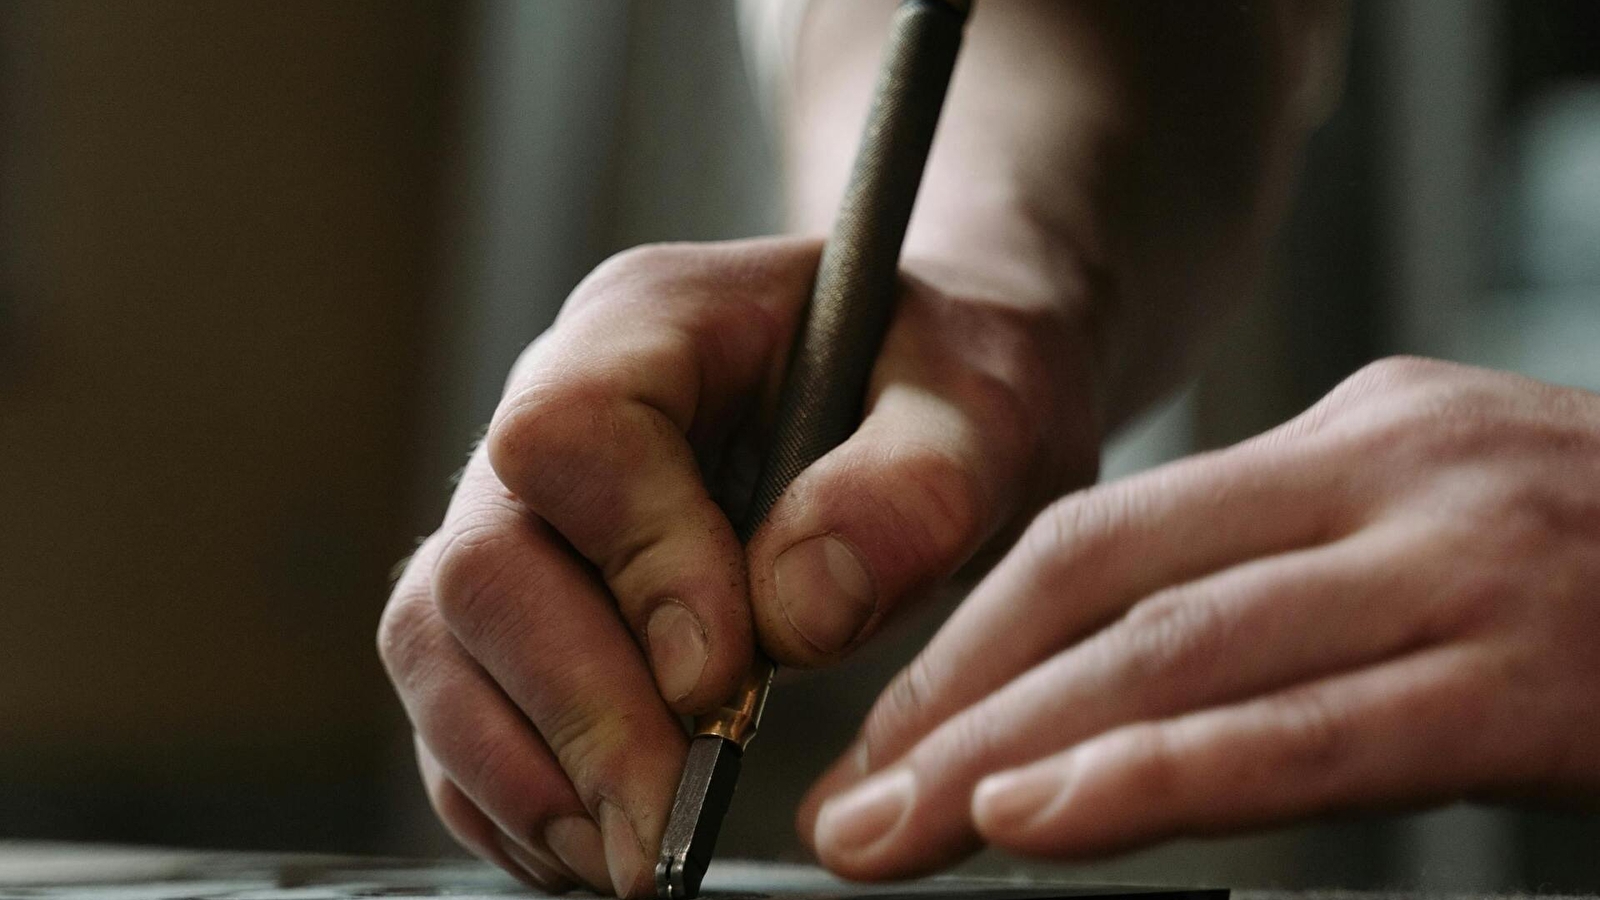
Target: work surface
36, 870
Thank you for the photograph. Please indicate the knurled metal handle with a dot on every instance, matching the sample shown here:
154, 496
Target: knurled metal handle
853, 297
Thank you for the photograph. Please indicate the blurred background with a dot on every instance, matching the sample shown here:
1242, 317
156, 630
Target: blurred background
264, 266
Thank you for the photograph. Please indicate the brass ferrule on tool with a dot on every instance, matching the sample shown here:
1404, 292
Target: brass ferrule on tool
738, 718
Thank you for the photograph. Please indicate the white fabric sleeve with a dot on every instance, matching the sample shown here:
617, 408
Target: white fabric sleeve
770, 31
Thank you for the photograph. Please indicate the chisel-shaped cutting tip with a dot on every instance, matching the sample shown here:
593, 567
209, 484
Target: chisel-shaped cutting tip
709, 777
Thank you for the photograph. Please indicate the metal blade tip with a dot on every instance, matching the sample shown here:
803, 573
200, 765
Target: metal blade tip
709, 776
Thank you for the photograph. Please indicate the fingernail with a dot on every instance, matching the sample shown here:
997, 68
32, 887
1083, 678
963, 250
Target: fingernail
677, 644
624, 853
824, 591
539, 873
576, 842
866, 815
1010, 801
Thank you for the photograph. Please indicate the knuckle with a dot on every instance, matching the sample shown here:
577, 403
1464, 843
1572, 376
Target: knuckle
966, 745
1063, 526
1079, 534
1521, 514
1392, 372
408, 632
625, 271
633, 565
1397, 429
901, 709
1380, 393
1172, 636
647, 258
541, 430
1315, 741
943, 497
468, 578
1157, 759
710, 287
1426, 412
592, 745
1530, 517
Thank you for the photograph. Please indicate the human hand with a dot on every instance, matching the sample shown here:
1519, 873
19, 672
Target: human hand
1392, 600
586, 585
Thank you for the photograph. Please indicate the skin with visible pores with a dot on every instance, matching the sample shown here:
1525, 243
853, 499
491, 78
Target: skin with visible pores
1103, 187
585, 587
1389, 601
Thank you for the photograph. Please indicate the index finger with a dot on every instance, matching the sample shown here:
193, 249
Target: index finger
606, 421
1082, 564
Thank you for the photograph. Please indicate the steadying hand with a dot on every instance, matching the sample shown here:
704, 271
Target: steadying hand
1393, 599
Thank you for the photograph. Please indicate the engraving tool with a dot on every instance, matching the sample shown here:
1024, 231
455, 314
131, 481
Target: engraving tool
822, 393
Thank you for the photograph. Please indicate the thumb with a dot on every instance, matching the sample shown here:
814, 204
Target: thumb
949, 452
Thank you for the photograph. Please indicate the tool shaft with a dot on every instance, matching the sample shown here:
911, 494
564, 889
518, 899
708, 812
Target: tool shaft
857, 278
827, 375
853, 296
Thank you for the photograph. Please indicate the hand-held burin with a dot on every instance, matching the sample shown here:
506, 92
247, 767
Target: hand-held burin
839, 338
